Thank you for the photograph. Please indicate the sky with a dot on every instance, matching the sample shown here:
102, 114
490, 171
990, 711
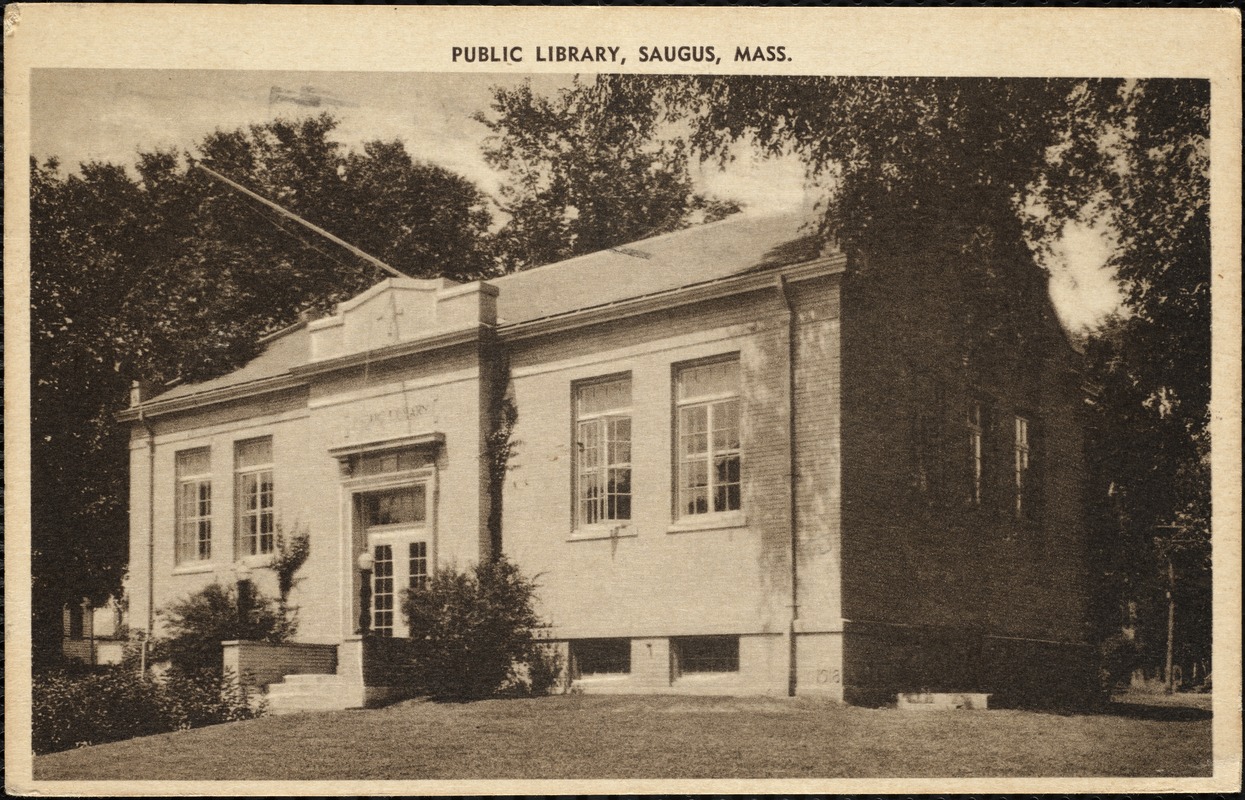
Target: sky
110, 115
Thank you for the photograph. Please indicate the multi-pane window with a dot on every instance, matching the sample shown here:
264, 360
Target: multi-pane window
254, 496
418, 565
974, 454
707, 400
382, 590
603, 451
194, 506
1021, 455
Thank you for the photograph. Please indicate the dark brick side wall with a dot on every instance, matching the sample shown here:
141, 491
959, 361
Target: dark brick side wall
926, 576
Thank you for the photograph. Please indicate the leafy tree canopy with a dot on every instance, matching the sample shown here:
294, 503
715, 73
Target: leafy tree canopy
587, 169
169, 275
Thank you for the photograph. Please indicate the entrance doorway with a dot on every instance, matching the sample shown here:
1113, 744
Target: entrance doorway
396, 531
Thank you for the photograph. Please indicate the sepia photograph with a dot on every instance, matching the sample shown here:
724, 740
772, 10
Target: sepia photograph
604, 413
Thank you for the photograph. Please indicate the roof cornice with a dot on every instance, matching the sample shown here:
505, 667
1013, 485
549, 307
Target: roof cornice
157, 407
672, 298
297, 376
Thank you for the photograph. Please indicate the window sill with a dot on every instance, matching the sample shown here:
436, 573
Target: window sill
590, 532
194, 569
707, 677
710, 522
255, 562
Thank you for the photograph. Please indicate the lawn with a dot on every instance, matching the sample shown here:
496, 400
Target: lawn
584, 737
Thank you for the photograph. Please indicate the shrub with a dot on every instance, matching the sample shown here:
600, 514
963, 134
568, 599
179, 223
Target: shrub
196, 625
206, 698
69, 711
471, 632
545, 670
108, 706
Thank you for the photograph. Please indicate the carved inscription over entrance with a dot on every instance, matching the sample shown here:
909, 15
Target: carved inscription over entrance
388, 416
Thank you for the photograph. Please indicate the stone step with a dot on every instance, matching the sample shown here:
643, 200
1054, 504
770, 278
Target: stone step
284, 707
278, 690
313, 678
314, 691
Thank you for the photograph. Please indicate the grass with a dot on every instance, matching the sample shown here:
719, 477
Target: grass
585, 737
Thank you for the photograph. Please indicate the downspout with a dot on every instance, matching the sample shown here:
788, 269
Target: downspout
151, 525
792, 508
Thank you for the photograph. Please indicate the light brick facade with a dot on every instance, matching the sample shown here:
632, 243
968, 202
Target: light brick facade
800, 588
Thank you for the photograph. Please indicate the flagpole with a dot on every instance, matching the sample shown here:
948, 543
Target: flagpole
366, 257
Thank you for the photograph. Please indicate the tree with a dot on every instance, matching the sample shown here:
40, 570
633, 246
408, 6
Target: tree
1153, 366
587, 170
170, 275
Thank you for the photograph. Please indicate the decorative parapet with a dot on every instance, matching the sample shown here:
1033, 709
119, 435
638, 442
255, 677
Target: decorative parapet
401, 310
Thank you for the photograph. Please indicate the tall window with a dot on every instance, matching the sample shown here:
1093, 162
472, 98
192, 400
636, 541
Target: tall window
253, 468
1021, 454
603, 451
975, 437
194, 506
707, 400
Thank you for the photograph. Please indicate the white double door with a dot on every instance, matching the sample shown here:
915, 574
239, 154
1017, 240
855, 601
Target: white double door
399, 562
398, 537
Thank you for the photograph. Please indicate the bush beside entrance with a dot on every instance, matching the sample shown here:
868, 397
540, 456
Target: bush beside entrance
472, 635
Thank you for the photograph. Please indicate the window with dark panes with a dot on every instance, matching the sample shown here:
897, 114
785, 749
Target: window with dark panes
696, 654
600, 657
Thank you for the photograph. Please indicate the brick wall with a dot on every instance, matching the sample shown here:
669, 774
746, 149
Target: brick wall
926, 574
262, 663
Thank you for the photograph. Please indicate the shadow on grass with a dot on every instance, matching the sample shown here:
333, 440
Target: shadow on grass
1128, 705
1156, 713
1141, 711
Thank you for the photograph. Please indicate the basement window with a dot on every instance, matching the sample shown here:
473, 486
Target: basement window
705, 654
598, 657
